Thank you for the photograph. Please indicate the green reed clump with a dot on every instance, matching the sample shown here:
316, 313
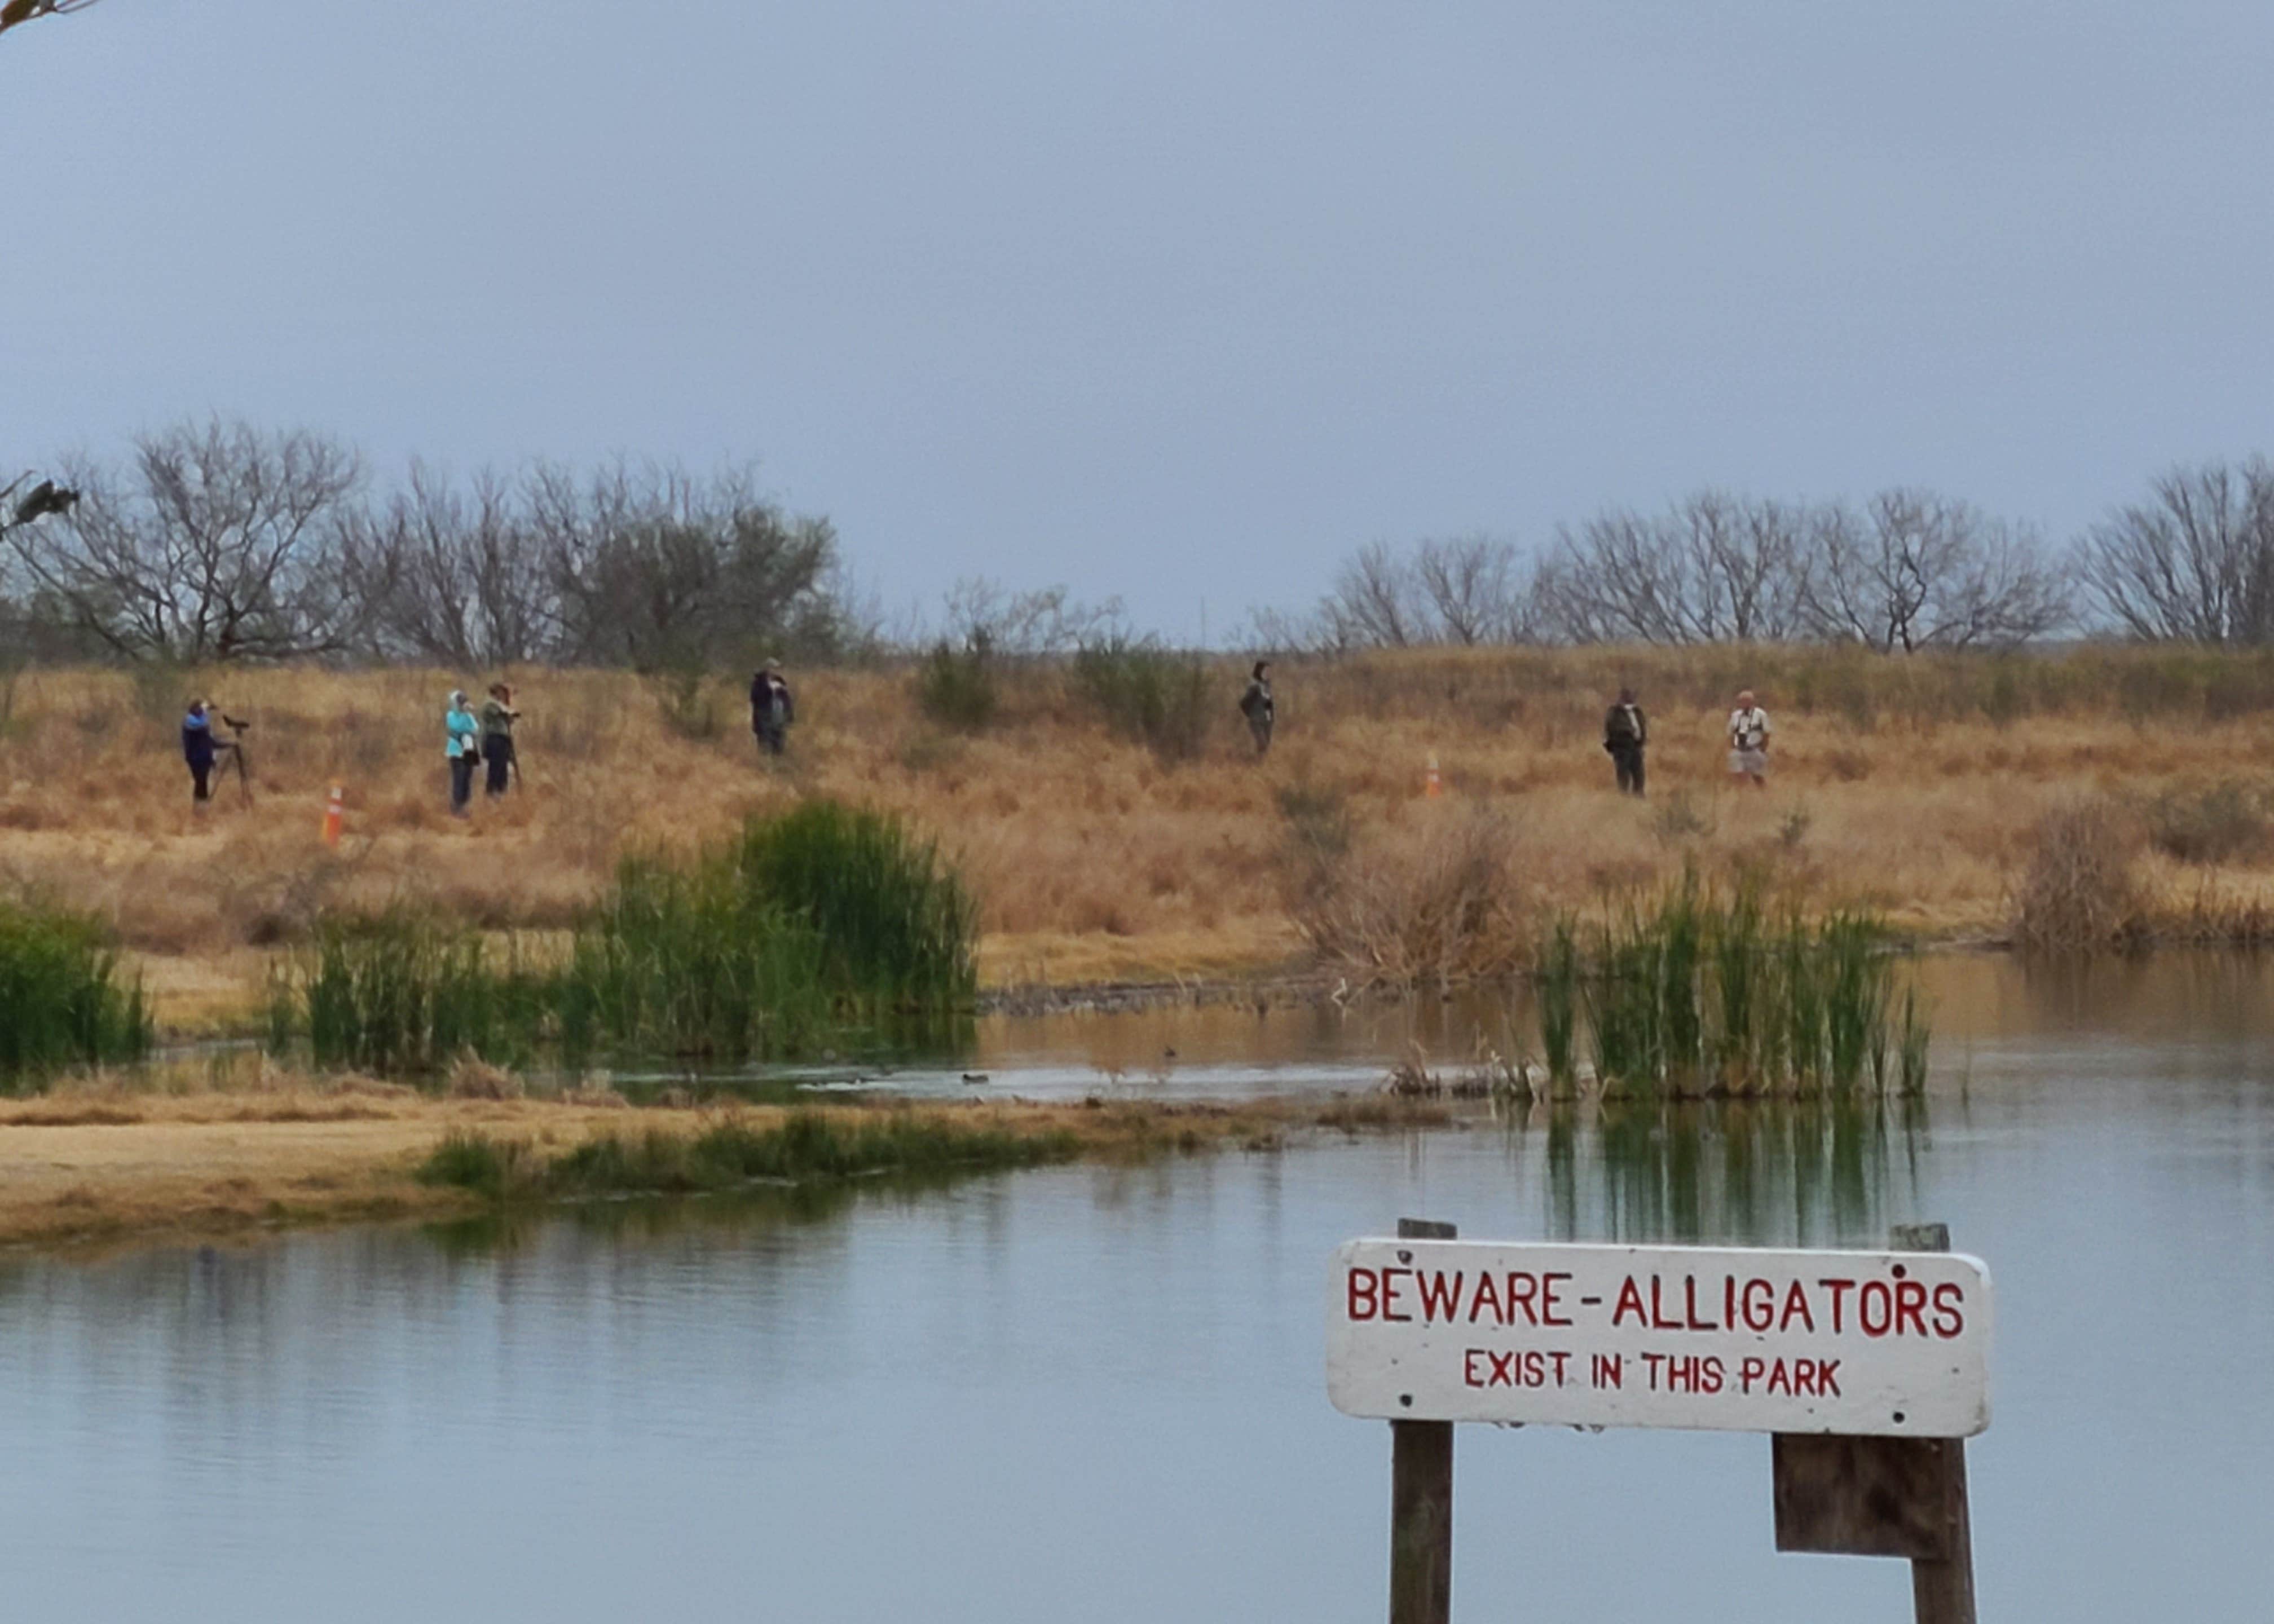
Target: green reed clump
63, 1001
790, 936
404, 991
893, 924
1697, 993
681, 960
802, 1146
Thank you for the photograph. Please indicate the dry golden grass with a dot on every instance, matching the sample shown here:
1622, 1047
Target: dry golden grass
1912, 784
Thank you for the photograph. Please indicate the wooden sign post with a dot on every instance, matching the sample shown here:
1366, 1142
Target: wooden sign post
1869, 1370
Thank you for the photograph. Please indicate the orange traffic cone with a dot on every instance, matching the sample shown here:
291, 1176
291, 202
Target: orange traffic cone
1432, 786
334, 809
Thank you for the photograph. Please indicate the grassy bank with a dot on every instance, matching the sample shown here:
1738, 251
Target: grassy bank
103, 1161
1914, 786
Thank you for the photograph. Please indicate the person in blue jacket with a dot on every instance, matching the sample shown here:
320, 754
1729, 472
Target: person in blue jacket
198, 750
461, 736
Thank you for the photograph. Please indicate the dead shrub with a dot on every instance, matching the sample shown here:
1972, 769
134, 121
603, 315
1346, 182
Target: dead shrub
1440, 904
472, 1078
2223, 823
2079, 889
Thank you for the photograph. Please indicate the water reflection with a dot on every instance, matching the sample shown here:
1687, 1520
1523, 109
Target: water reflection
1761, 1173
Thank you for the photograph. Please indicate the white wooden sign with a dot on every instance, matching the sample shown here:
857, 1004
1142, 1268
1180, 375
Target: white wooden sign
1892, 1344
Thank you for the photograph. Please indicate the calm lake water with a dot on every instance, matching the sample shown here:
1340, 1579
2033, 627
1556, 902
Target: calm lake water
1096, 1394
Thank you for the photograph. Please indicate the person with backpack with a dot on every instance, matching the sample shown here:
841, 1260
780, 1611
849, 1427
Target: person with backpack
1255, 704
1625, 731
460, 734
771, 708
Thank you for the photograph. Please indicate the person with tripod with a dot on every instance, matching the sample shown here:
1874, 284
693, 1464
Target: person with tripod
198, 750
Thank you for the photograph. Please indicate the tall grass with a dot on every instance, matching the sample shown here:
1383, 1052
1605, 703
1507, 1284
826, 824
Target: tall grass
892, 922
62, 1000
1696, 994
789, 936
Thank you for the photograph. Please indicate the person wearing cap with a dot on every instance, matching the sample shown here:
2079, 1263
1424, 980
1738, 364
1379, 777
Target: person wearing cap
1749, 740
771, 708
461, 744
1255, 706
1625, 731
498, 716
198, 749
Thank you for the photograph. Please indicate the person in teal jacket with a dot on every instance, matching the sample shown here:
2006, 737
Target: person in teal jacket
461, 733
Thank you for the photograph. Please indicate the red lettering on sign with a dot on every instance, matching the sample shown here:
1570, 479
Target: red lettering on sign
1610, 1370
1389, 1295
1910, 1308
1827, 1378
1759, 1305
1875, 1308
1653, 1360
1780, 1378
1561, 1360
1548, 1305
1796, 1307
1524, 1293
1839, 1288
1364, 1295
1689, 1305
1486, 1292
1658, 1320
1438, 1300
1748, 1372
1949, 1317
1630, 1299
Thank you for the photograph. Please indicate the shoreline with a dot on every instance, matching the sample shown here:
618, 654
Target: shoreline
94, 1166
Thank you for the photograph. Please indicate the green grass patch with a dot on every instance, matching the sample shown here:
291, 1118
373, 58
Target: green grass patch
62, 999
803, 1146
830, 926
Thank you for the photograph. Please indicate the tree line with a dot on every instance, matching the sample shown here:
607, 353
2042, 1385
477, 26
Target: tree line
218, 541
2192, 560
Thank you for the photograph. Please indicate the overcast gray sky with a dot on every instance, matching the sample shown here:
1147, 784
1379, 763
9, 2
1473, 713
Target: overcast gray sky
1176, 301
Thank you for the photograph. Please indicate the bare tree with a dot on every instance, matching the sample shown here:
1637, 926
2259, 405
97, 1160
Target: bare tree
1713, 567
1915, 570
2195, 563
655, 569
455, 577
981, 614
1470, 584
218, 543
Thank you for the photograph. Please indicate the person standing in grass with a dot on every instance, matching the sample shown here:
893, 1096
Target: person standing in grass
1625, 731
198, 751
498, 718
771, 708
1255, 706
461, 733
1749, 740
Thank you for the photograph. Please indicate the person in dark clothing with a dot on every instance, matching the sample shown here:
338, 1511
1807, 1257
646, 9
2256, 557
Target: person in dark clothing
198, 750
1255, 706
497, 717
771, 708
1625, 732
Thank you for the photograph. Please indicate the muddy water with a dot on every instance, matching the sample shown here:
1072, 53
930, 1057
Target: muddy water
1095, 1393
